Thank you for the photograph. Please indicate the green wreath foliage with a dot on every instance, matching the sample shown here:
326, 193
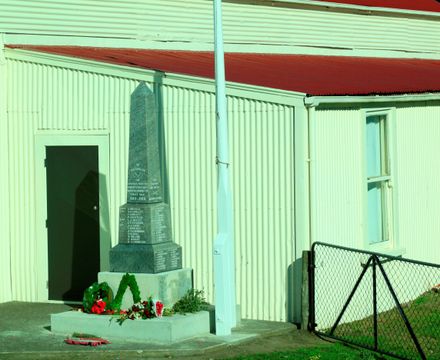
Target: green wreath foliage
193, 301
126, 281
94, 292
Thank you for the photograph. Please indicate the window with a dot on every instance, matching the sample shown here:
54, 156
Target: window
378, 171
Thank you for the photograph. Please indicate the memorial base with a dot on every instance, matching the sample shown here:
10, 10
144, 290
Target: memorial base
146, 258
164, 330
167, 287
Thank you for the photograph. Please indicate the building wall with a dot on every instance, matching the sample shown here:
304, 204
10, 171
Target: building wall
337, 175
418, 134
337, 189
47, 98
338, 207
261, 26
5, 266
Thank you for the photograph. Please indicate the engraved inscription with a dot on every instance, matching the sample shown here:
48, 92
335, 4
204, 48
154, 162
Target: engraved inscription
174, 258
135, 224
160, 226
160, 261
137, 185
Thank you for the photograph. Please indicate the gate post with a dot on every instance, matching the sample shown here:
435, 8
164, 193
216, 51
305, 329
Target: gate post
306, 291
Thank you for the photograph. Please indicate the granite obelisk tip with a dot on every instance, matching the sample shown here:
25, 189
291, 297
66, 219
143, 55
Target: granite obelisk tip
144, 170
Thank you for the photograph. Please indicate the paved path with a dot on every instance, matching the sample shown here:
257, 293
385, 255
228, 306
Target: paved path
25, 334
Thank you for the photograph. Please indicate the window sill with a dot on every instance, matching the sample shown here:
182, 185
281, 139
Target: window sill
386, 249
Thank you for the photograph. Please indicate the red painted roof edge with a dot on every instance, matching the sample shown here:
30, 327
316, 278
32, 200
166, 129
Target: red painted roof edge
415, 5
316, 75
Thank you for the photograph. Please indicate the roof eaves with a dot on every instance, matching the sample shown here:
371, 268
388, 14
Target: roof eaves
315, 101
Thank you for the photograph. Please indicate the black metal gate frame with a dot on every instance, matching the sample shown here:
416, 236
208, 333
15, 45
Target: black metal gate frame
375, 262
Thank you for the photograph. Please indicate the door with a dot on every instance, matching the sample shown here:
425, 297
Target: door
72, 175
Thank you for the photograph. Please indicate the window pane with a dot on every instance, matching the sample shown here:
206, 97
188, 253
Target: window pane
377, 212
374, 141
374, 213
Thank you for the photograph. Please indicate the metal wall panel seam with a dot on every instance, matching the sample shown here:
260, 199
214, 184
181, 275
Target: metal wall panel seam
30, 141
270, 199
13, 182
5, 253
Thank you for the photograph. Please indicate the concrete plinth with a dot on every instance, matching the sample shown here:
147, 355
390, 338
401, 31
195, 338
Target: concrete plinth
167, 287
165, 330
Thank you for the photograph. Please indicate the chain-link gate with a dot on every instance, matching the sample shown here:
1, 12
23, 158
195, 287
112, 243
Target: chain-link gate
382, 303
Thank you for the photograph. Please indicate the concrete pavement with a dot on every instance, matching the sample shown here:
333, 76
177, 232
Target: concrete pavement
25, 334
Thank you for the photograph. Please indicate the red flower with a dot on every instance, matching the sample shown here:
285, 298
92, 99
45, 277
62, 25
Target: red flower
98, 307
159, 308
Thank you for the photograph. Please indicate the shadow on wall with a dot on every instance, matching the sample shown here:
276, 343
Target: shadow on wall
104, 223
157, 90
293, 292
91, 234
85, 247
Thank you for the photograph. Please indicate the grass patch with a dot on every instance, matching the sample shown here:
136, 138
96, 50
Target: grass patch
334, 352
423, 314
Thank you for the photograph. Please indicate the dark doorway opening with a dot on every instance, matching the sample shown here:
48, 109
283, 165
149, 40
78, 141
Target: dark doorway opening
72, 220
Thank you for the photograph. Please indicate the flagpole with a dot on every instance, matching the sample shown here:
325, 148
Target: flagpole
224, 254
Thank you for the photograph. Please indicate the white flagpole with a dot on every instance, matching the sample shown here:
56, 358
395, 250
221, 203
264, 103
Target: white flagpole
224, 254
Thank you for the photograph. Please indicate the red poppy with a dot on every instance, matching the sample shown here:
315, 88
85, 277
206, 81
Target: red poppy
98, 307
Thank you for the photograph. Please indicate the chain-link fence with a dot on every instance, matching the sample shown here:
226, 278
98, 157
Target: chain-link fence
383, 303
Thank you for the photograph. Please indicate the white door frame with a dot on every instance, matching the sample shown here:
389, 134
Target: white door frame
47, 139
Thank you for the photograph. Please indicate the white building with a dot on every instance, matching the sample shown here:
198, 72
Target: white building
334, 111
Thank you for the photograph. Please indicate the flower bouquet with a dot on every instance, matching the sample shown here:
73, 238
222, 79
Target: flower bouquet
147, 309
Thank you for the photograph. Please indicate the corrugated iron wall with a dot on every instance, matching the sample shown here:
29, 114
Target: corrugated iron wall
170, 23
418, 141
119, 19
22, 116
263, 181
5, 266
338, 194
47, 99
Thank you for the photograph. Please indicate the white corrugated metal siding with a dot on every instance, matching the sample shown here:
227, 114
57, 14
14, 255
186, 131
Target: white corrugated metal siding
418, 141
109, 18
47, 99
23, 111
337, 192
262, 136
170, 23
5, 255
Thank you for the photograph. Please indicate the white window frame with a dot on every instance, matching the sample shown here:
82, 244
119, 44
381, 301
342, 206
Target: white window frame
391, 245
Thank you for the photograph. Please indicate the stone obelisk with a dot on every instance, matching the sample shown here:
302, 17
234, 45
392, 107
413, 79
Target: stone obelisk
145, 238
